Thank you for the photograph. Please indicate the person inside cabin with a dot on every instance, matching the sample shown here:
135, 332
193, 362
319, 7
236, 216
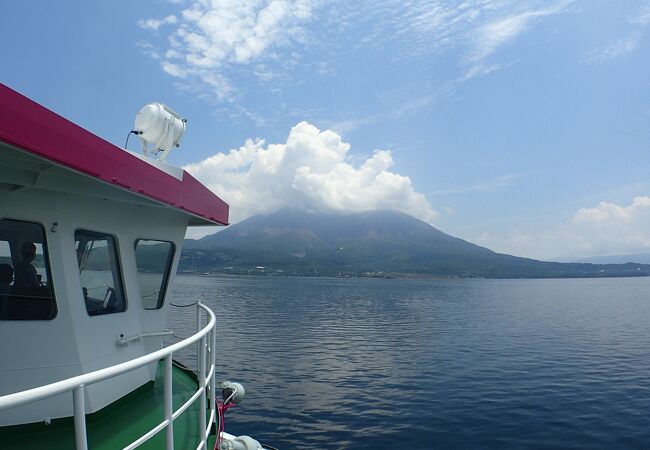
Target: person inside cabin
26, 278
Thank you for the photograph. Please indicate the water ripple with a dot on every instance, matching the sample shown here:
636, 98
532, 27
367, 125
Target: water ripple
337, 364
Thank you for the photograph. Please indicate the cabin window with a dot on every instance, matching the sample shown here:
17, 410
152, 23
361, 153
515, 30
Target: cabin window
154, 261
99, 270
25, 282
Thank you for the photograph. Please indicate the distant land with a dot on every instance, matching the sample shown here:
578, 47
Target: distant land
293, 242
642, 258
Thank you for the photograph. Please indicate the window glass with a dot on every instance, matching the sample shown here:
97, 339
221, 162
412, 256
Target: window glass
99, 270
25, 286
154, 260
5, 252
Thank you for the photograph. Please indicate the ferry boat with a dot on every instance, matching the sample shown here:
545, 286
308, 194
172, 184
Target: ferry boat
90, 239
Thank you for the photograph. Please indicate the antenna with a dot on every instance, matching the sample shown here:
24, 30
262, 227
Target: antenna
161, 127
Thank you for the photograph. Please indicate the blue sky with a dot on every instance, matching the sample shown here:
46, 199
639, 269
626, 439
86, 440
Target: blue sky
523, 126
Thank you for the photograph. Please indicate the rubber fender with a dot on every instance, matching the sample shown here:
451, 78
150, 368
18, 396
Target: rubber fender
241, 443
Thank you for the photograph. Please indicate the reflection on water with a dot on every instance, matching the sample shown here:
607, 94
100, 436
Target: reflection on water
331, 363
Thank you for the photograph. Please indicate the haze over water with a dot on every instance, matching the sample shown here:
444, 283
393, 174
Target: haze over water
363, 363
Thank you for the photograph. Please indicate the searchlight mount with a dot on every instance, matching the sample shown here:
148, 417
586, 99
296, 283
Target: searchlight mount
159, 129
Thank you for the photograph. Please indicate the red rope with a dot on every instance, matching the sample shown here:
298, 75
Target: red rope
221, 410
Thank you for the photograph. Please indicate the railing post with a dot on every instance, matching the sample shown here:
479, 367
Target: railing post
213, 381
198, 327
79, 406
202, 407
169, 406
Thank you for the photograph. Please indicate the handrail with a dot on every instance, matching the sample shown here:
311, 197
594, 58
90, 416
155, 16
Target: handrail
78, 384
52, 389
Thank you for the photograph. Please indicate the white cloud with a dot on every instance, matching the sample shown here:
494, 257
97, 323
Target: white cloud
220, 38
643, 15
494, 184
491, 36
174, 69
605, 229
616, 49
154, 24
495, 34
480, 70
148, 49
343, 127
607, 214
478, 27
625, 45
310, 170
213, 36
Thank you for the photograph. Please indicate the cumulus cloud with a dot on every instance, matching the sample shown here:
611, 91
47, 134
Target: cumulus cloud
310, 170
612, 214
604, 229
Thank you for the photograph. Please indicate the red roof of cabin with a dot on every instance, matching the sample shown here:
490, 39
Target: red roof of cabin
29, 126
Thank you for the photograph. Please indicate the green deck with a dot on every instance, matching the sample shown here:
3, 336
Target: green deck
120, 423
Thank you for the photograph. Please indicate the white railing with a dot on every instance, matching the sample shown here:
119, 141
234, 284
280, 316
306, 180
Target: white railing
206, 339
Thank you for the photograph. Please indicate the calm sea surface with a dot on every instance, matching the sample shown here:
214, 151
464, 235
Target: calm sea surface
335, 363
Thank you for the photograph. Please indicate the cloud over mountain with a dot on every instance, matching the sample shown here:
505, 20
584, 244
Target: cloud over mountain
310, 170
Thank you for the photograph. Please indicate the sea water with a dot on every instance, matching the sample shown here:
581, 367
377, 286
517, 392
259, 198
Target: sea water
378, 364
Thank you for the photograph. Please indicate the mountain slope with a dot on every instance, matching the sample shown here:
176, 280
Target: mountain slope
308, 243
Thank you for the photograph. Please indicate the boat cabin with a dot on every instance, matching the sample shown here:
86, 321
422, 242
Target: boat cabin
90, 239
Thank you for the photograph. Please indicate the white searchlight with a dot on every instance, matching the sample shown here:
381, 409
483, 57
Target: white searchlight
159, 129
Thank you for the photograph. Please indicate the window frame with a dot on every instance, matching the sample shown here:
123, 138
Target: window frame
167, 274
117, 257
48, 270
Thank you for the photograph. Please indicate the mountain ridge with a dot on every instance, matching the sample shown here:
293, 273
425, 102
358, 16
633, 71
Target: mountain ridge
370, 243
